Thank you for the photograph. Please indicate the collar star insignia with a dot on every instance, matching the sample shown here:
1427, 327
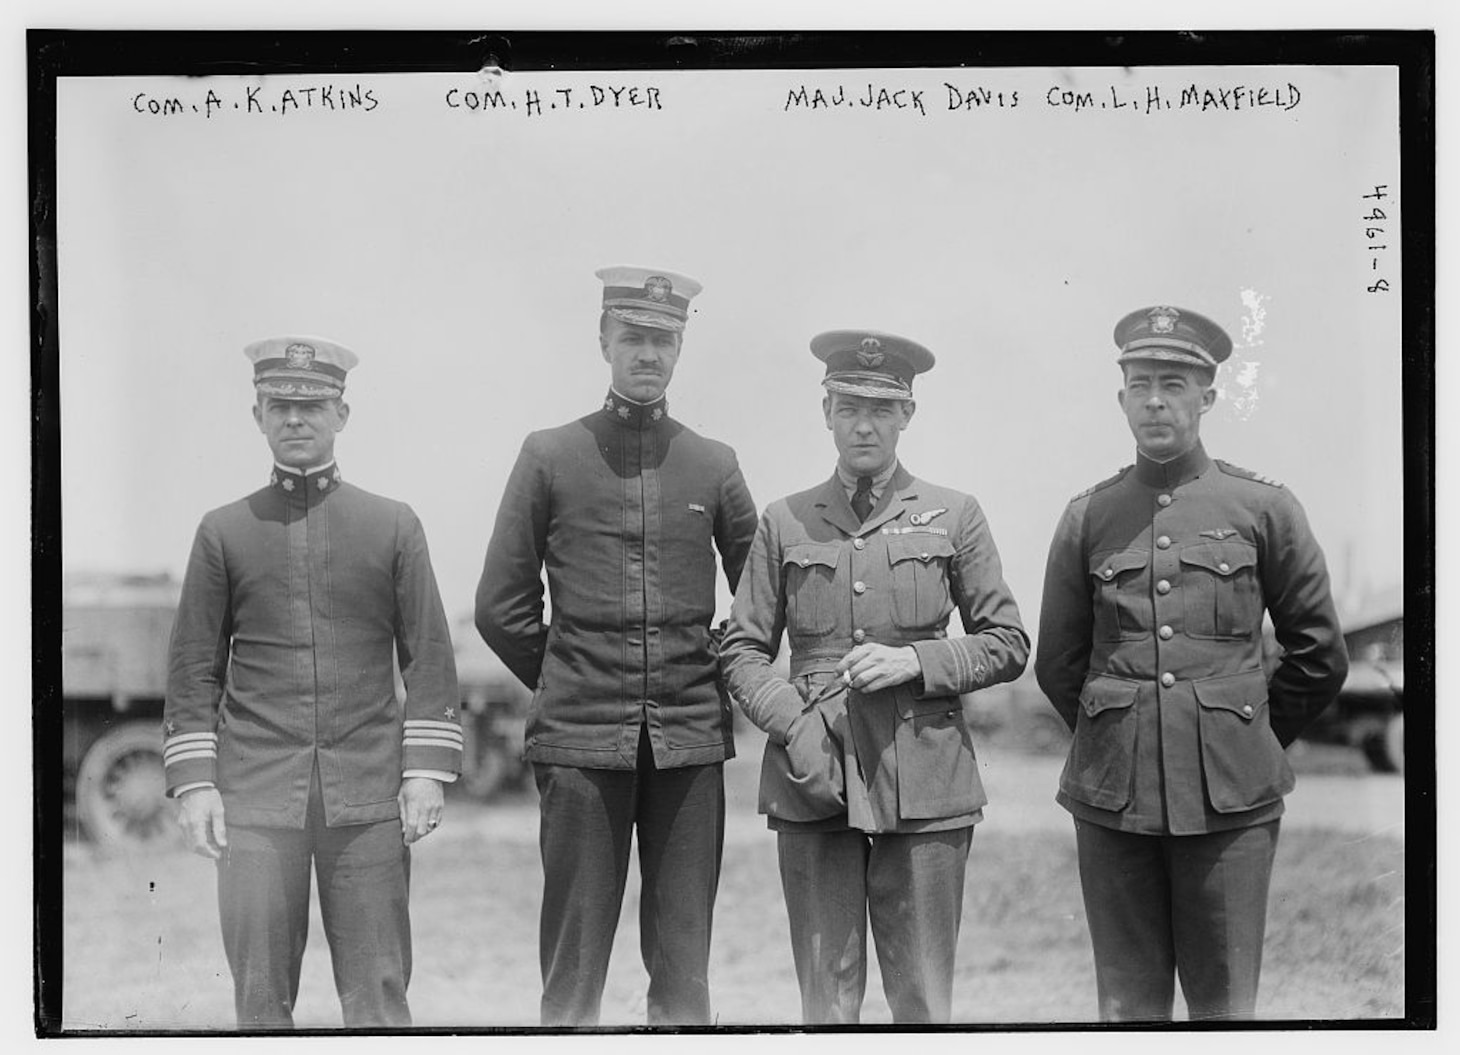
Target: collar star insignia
287, 483
623, 412
451, 714
324, 483
169, 728
658, 413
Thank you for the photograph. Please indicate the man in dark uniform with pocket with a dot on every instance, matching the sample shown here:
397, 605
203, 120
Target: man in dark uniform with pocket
869, 777
1150, 647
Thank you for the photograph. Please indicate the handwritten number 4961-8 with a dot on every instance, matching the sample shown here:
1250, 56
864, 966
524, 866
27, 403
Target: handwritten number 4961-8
1371, 232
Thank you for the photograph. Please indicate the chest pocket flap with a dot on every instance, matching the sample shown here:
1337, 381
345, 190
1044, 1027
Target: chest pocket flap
807, 554
918, 547
1221, 558
1106, 566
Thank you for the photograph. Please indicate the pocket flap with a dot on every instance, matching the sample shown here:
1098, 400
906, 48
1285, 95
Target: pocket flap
1242, 694
1221, 558
910, 706
805, 554
923, 547
1106, 693
1106, 566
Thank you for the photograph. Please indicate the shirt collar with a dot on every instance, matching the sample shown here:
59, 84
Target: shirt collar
1179, 470
879, 482
317, 481
633, 414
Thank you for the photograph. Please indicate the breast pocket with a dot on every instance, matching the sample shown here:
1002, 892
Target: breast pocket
920, 596
1219, 586
811, 594
1121, 589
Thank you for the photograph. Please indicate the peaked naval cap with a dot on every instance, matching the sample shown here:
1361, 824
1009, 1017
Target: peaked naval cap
644, 296
1174, 335
300, 367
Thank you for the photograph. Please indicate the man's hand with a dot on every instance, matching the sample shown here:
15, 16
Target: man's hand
421, 803
872, 667
201, 819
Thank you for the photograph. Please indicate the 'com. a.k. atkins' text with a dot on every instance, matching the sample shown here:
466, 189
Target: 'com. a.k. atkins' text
258, 100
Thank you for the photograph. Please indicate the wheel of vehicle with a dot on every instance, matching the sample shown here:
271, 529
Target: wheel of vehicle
1394, 743
121, 794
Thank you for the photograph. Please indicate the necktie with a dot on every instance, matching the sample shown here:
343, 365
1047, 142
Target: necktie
862, 499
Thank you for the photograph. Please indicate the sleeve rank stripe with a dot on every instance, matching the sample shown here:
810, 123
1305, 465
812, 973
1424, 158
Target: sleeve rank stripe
172, 750
187, 756
425, 724
433, 741
188, 738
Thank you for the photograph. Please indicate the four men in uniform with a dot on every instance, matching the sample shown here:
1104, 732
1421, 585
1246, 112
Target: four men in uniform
281, 712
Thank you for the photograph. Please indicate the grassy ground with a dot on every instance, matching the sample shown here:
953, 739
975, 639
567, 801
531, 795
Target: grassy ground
142, 947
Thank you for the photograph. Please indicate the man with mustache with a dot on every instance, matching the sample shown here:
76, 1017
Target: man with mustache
1150, 647
869, 778
628, 730
283, 737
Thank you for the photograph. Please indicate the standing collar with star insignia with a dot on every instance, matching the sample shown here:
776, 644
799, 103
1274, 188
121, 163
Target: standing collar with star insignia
316, 482
635, 415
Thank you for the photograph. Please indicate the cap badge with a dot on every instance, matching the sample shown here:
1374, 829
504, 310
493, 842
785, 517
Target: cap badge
300, 356
657, 288
1163, 320
870, 354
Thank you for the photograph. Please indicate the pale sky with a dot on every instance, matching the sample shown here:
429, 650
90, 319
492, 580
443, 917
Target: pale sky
454, 250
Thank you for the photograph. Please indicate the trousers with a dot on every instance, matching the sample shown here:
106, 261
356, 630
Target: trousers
589, 817
263, 906
1166, 906
910, 885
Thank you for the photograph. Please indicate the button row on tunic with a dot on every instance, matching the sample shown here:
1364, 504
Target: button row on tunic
858, 636
1164, 542
1168, 679
1166, 633
859, 543
1164, 586
1163, 500
859, 587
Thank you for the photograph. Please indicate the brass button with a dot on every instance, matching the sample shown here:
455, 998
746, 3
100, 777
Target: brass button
1166, 633
1247, 710
805, 561
1164, 586
858, 636
1224, 567
1108, 573
859, 587
1163, 500
859, 543
1168, 679
1163, 542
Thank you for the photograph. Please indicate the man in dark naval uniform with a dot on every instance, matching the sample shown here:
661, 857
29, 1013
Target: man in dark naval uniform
869, 777
283, 735
628, 728
1150, 647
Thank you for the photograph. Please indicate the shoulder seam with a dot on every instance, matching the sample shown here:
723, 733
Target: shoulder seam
1107, 482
